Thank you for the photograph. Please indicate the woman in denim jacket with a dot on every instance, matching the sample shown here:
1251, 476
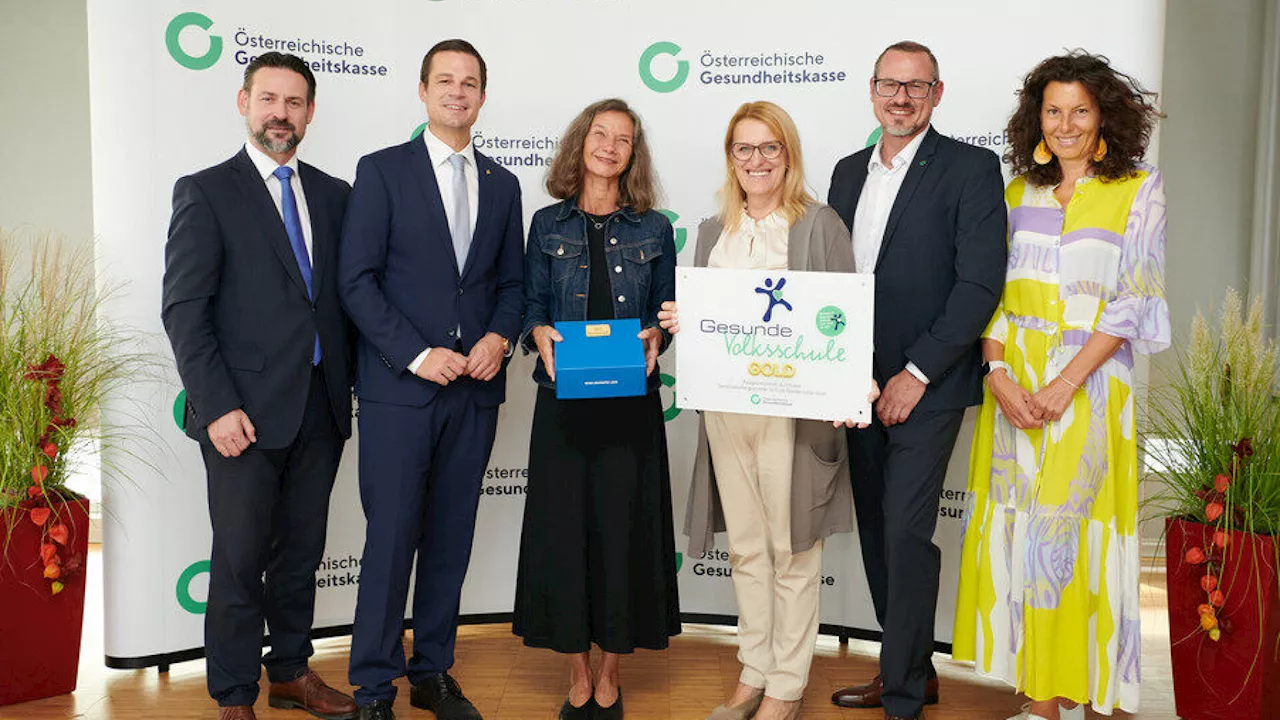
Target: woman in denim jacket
597, 551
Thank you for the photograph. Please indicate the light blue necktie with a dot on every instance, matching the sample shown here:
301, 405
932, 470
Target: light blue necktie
461, 226
293, 226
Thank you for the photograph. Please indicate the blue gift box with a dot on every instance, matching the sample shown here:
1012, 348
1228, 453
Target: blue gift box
599, 359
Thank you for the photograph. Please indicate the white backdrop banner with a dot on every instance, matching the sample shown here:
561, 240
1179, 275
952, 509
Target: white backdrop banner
163, 82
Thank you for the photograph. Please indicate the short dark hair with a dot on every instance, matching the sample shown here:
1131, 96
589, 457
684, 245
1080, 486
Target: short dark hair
281, 60
1127, 110
909, 46
454, 45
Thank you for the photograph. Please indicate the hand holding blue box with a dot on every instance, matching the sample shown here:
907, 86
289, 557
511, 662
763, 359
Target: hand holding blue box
599, 358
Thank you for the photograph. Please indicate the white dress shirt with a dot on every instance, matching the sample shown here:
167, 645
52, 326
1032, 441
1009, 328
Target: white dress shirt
874, 205
440, 153
266, 168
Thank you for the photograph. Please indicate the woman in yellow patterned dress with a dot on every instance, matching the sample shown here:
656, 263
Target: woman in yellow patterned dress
1048, 598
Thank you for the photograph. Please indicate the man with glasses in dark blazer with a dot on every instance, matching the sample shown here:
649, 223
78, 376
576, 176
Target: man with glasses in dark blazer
927, 216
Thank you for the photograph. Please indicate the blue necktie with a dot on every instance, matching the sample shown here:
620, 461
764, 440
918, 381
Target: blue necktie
461, 229
293, 226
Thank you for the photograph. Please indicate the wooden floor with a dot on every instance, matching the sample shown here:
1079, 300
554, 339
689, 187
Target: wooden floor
508, 681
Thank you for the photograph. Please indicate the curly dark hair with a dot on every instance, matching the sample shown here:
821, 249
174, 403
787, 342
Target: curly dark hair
1128, 116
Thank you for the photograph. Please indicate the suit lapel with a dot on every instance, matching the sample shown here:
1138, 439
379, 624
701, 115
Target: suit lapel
484, 208
423, 169
920, 164
859, 179
258, 200
318, 209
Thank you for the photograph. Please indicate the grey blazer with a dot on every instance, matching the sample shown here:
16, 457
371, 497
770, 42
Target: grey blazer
821, 495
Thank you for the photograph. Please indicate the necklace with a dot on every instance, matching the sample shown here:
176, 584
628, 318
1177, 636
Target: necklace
599, 224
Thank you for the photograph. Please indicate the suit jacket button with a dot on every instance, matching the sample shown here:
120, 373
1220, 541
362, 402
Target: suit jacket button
459, 291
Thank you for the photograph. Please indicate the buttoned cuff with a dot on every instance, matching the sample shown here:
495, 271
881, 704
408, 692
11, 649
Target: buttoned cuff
417, 362
919, 375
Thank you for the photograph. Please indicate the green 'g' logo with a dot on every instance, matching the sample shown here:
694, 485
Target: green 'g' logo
180, 410
682, 234
831, 321
646, 67
192, 62
669, 413
679, 561
188, 603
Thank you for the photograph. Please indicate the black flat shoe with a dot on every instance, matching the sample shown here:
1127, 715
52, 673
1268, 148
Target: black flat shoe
583, 712
613, 712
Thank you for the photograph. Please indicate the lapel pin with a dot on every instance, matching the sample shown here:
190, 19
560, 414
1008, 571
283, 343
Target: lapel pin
922, 162
486, 172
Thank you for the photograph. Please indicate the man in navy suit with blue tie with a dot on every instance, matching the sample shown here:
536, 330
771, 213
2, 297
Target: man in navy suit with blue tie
250, 303
431, 269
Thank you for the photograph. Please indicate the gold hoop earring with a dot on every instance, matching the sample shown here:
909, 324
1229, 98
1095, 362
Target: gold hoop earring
1101, 151
1042, 156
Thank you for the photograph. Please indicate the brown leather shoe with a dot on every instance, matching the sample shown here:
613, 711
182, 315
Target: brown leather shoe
308, 692
868, 696
236, 712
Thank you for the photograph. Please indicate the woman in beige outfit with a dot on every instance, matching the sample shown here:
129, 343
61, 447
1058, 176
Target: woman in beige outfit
777, 485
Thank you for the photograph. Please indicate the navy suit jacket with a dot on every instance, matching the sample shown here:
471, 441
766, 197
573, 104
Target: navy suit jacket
235, 306
941, 266
400, 282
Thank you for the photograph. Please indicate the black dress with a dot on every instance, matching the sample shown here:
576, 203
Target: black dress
597, 550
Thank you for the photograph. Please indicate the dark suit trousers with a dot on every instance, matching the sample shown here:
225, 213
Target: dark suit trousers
420, 473
269, 510
897, 475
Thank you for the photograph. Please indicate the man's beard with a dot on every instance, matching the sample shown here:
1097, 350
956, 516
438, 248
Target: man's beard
277, 146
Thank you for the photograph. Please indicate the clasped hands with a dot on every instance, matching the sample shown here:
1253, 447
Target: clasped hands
669, 319
442, 365
1026, 410
545, 337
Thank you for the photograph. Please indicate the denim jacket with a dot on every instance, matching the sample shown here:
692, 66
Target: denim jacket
640, 249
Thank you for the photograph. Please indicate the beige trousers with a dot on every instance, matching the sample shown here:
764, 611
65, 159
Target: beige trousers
777, 590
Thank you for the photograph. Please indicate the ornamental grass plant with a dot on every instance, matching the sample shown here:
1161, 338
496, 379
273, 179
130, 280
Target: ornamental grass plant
1214, 427
59, 362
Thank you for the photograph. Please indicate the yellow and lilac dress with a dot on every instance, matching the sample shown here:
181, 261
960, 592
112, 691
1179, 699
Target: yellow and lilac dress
1048, 597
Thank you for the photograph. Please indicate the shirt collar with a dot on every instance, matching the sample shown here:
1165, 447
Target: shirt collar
904, 156
440, 151
265, 164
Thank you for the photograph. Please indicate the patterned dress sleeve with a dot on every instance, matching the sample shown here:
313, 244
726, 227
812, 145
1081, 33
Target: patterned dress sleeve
1138, 311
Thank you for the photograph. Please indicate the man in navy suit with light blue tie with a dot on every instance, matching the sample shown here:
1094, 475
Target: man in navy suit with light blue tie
430, 271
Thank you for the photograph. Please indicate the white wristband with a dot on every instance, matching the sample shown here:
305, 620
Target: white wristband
995, 365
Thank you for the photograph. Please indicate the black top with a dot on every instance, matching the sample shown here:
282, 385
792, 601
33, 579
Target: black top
600, 290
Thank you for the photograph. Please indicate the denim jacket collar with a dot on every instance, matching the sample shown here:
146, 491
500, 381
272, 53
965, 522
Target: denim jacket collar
570, 206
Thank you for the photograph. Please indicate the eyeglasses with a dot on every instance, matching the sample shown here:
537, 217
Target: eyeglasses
768, 151
915, 88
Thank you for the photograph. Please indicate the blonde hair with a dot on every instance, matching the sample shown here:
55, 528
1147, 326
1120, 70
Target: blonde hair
637, 185
795, 198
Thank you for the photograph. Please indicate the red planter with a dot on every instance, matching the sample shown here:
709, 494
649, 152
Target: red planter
1238, 676
40, 631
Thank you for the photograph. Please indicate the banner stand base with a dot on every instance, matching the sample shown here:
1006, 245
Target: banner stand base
162, 661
